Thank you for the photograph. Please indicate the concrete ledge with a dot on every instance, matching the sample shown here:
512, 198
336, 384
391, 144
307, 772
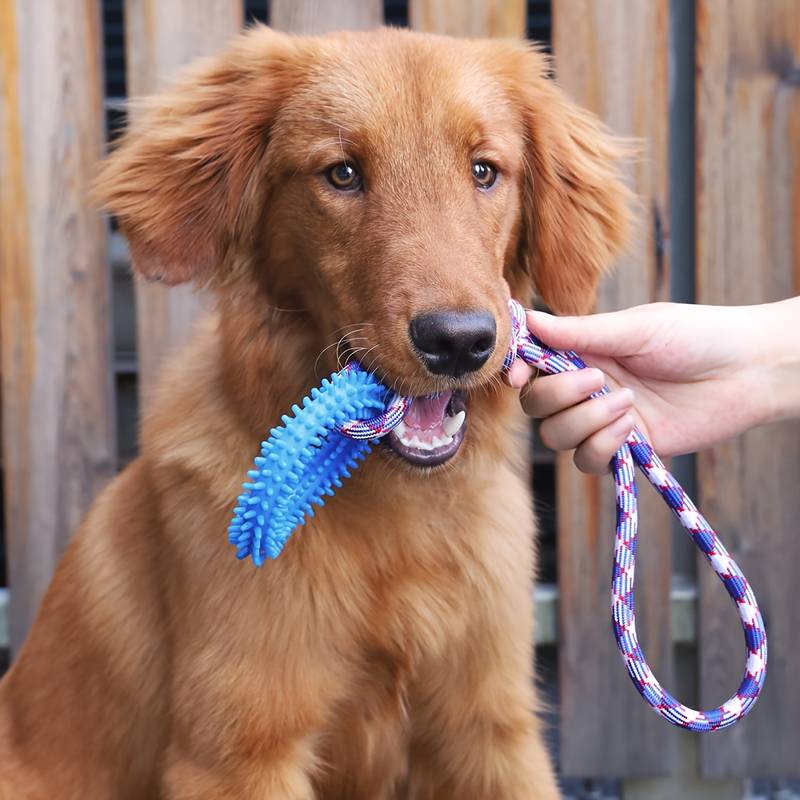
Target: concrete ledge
3, 617
683, 598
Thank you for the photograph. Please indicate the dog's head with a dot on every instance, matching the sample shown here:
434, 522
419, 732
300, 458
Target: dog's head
397, 187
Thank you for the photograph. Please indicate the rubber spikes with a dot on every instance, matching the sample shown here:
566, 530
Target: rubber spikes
302, 462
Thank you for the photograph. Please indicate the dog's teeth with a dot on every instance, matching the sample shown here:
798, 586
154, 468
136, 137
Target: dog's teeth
452, 425
412, 440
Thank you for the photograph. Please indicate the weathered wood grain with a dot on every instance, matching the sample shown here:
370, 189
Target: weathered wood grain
317, 16
160, 37
748, 251
58, 426
468, 17
611, 56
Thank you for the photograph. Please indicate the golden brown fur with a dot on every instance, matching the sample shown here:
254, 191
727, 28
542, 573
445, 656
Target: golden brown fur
388, 652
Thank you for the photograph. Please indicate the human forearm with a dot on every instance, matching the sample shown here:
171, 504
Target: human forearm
780, 346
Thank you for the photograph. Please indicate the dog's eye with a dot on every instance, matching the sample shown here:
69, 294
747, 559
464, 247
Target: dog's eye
344, 177
484, 174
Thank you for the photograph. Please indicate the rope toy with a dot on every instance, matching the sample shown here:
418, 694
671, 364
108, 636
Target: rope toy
305, 459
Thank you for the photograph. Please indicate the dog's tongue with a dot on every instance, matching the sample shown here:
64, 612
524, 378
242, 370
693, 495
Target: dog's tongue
426, 413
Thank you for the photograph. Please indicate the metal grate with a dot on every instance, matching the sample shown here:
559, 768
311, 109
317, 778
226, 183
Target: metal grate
256, 11
540, 21
114, 61
395, 12
114, 47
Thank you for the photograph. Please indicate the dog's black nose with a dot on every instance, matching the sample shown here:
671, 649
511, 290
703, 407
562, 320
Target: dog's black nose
454, 342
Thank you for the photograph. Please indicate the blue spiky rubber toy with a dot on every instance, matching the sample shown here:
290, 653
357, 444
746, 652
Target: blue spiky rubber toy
305, 459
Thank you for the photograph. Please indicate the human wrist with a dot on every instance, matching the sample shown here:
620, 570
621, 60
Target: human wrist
781, 342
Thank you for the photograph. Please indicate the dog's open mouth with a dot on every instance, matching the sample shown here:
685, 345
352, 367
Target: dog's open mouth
432, 430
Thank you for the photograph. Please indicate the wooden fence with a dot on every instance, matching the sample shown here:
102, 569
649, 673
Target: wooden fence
58, 438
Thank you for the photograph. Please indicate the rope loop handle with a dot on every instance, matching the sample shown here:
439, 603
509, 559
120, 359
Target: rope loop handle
637, 450
327, 436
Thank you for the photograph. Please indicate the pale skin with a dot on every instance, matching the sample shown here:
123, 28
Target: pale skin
688, 375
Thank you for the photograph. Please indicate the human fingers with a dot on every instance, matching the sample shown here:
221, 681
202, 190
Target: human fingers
567, 429
594, 455
548, 394
616, 333
519, 374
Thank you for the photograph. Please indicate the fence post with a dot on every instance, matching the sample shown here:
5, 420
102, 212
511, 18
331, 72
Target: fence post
748, 251
160, 37
611, 57
317, 16
58, 422
468, 17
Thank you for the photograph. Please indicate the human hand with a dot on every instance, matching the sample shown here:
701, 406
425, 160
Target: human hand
693, 376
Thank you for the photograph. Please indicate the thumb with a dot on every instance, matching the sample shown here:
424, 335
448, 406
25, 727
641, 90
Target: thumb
616, 333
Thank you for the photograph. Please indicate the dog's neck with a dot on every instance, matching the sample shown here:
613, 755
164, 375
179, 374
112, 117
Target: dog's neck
270, 358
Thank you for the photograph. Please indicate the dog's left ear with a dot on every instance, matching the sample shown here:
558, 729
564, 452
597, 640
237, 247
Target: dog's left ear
184, 178
576, 208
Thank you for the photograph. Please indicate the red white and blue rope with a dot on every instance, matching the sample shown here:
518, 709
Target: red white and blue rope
379, 425
636, 451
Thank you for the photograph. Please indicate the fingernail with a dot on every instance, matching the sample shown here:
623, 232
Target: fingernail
536, 318
518, 375
590, 378
619, 400
622, 426
534, 313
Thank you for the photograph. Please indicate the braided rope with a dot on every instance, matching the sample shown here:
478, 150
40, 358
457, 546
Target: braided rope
305, 460
637, 450
379, 425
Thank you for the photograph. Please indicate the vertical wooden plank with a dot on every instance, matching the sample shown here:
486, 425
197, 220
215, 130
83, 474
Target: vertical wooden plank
57, 411
611, 57
160, 37
316, 16
468, 17
748, 251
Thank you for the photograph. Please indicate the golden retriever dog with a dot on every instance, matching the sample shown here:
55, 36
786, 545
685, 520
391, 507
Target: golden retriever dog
388, 191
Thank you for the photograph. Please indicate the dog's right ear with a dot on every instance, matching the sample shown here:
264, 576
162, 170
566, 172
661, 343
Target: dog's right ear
183, 180
576, 206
